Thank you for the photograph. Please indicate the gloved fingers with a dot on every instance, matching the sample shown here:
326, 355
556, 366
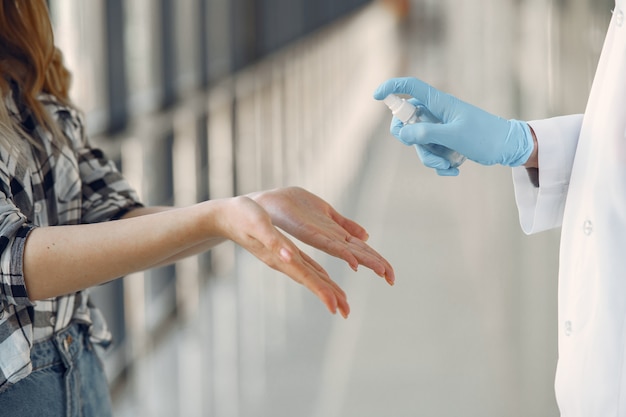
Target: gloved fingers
430, 133
415, 102
395, 127
451, 172
418, 133
402, 85
439, 103
440, 165
432, 160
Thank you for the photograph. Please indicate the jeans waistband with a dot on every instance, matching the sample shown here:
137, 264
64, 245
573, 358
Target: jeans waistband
61, 347
67, 379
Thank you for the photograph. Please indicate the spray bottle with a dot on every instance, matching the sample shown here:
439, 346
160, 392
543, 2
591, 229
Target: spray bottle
408, 113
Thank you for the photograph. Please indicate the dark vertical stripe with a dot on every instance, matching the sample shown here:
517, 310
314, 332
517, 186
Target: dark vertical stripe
168, 52
243, 32
117, 89
203, 43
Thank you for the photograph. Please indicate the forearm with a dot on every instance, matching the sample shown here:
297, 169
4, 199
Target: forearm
64, 259
202, 247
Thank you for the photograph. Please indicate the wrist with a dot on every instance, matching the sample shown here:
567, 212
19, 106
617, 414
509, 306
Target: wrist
210, 217
260, 197
274, 200
533, 159
518, 145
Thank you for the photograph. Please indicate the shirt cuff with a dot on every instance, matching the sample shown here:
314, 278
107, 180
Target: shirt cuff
12, 278
541, 208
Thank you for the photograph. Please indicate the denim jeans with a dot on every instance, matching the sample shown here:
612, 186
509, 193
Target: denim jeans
67, 380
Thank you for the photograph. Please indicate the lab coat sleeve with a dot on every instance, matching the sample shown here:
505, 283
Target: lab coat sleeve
541, 208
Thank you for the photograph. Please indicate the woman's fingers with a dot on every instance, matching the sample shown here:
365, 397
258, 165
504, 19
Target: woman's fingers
323, 274
313, 221
370, 258
356, 252
304, 270
279, 253
350, 226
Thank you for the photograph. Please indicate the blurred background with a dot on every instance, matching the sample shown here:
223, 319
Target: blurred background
200, 99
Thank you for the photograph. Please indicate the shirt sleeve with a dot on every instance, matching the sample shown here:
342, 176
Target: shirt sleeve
106, 193
541, 208
14, 229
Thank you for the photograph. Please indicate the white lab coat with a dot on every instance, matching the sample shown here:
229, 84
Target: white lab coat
582, 168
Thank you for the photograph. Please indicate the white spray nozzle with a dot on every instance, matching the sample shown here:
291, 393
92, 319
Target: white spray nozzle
400, 108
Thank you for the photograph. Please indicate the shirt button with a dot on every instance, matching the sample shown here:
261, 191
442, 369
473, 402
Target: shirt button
619, 18
587, 227
53, 320
567, 328
37, 207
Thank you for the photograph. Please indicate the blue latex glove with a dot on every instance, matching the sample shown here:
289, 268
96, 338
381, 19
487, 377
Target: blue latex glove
475, 133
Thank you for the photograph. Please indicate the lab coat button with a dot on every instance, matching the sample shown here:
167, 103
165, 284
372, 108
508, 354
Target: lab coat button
37, 207
619, 18
587, 227
568, 328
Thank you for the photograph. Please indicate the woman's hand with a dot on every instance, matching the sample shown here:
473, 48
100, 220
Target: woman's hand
246, 223
315, 222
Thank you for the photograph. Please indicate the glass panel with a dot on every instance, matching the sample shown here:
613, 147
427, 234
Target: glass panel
143, 54
279, 28
80, 34
219, 40
159, 175
187, 58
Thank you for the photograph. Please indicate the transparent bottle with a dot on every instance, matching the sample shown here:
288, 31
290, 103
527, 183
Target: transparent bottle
408, 114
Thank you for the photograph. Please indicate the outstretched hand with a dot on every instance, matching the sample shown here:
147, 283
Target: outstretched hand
313, 221
247, 223
252, 222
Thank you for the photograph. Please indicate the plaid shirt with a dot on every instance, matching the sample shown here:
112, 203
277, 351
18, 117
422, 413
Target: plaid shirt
72, 185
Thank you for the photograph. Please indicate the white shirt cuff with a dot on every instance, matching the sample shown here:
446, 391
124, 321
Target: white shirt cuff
542, 208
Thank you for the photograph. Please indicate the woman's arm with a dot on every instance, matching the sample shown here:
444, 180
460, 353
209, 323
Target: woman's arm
203, 246
309, 219
64, 259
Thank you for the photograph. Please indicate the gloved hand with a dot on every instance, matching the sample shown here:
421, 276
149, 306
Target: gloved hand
475, 133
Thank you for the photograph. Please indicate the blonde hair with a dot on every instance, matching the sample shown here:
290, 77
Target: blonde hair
29, 58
